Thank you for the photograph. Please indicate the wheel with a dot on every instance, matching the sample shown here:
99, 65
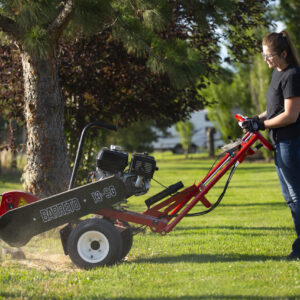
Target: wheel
193, 148
94, 243
178, 149
127, 239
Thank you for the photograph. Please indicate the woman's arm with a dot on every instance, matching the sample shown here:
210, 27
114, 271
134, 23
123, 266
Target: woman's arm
289, 116
263, 115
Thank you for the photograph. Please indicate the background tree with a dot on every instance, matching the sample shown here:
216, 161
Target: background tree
35, 27
176, 38
116, 87
186, 132
135, 138
221, 102
288, 11
240, 91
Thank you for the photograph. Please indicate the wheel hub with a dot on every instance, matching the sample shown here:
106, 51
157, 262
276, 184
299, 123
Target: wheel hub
93, 246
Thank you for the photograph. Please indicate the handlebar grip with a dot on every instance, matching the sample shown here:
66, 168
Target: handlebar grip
166, 192
240, 117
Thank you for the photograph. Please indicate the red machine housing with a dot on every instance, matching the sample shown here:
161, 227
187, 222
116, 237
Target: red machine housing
15, 199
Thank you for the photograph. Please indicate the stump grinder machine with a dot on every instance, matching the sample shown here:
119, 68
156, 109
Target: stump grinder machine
94, 220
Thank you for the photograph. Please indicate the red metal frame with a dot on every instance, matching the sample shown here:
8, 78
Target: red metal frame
163, 217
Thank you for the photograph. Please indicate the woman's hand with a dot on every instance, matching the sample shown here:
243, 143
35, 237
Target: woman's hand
253, 124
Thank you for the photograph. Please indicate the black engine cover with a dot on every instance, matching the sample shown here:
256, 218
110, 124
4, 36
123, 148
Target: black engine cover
112, 161
142, 165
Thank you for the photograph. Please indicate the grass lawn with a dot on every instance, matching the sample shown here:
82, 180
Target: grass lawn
235, 252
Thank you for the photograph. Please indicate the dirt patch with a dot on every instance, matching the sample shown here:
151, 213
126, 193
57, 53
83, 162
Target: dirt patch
38, 256
49, 262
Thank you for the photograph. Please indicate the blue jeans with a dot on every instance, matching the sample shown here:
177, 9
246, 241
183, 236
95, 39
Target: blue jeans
287, 161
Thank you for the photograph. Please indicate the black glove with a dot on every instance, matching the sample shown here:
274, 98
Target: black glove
253, 124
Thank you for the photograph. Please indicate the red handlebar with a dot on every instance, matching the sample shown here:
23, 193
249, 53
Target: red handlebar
240, 117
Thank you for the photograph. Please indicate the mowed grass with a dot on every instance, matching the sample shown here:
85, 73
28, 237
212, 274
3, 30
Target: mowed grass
235, 252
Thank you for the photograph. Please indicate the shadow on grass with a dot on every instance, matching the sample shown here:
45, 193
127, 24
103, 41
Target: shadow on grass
17, 296
211, 297
248, 230
253, 187
237, 186
10, 176
13, 295
207, 258
246, 167
272, 204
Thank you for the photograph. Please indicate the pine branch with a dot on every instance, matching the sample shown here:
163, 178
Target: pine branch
10, 27
61, 21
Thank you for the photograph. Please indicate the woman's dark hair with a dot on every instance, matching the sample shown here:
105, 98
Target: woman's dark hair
279, 42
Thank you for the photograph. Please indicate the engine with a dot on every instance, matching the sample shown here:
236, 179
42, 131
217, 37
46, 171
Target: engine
136, 175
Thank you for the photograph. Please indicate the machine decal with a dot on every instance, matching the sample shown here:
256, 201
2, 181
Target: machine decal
108, 192
59, 210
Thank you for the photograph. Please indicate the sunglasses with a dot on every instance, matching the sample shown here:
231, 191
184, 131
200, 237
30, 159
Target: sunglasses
268, 56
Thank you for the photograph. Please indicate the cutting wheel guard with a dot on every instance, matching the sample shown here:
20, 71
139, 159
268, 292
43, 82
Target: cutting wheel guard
19, 225
165, 215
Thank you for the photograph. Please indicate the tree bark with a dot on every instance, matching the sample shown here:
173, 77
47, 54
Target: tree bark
186, 152
210, 132
47, 170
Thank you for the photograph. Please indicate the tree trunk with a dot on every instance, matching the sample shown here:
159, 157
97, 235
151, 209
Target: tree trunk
13, 129
186, 152
47, 170
210, 132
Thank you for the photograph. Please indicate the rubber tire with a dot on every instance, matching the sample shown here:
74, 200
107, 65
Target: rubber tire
103, 228
193, 148
178, 149
127, 239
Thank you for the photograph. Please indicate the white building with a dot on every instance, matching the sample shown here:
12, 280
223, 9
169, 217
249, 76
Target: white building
171, 140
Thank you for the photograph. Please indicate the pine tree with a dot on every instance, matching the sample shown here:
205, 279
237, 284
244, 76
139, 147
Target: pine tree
155, 28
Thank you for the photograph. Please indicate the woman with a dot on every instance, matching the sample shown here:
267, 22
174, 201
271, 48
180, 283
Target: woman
283, 120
